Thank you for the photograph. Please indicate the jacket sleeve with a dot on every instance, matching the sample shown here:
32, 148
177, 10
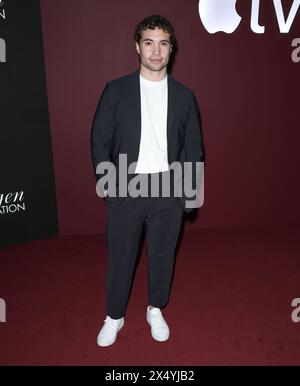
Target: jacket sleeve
102, 130
194, 144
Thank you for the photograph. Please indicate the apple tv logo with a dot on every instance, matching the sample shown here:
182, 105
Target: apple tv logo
222, 16
219, 16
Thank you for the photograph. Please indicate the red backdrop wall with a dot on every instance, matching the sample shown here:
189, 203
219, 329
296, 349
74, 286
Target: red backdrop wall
247, 87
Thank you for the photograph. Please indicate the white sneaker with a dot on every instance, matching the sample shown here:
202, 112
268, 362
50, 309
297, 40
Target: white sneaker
159, 328
109, 331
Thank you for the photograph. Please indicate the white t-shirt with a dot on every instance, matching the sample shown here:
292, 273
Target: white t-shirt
153, 152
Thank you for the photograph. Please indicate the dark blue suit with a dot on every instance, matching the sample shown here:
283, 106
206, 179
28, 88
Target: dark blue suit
117, 130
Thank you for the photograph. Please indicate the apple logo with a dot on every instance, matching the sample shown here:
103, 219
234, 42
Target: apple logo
219, 15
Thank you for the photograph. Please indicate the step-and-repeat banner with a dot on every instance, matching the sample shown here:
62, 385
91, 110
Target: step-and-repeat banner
27, 190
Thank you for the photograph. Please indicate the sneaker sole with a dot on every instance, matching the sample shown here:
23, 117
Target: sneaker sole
110, 342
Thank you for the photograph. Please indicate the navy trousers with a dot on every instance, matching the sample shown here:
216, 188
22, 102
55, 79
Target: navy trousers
161, 217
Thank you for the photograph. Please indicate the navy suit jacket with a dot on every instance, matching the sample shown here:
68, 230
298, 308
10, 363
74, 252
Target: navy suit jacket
117, 124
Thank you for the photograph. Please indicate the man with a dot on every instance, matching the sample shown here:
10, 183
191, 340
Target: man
155, 121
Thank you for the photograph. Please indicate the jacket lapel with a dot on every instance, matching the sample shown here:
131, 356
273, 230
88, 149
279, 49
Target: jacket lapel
171, 106
135, 104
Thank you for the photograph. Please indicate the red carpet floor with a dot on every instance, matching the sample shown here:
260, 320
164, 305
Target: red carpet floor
230, 302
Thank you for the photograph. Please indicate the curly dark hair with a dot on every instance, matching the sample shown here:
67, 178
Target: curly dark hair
151, 22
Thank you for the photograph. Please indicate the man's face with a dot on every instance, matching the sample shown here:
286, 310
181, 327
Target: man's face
154, 49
